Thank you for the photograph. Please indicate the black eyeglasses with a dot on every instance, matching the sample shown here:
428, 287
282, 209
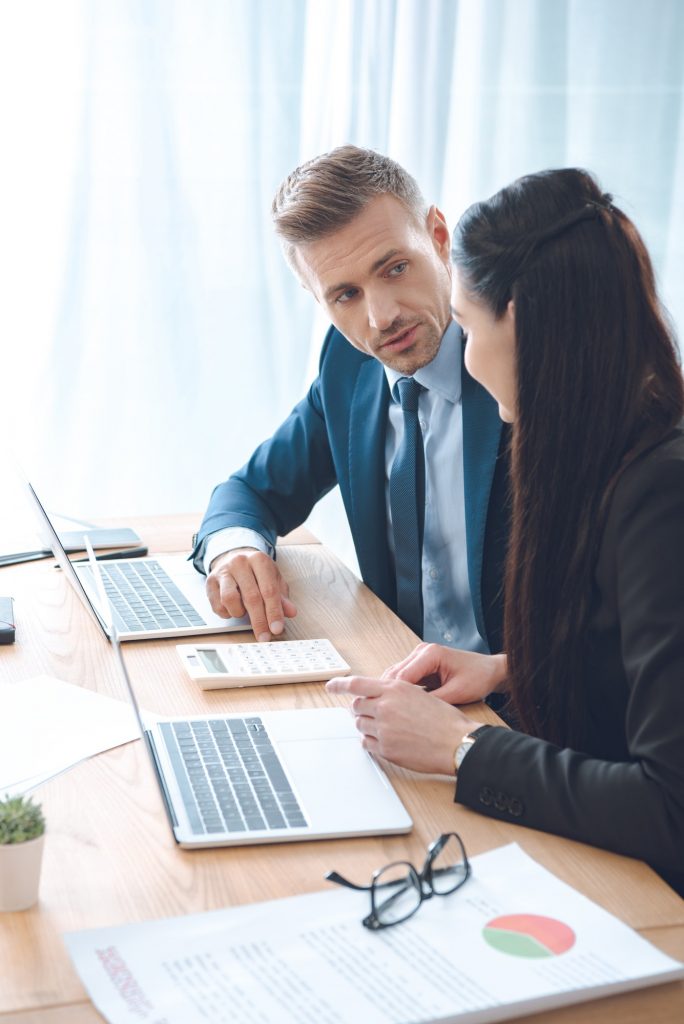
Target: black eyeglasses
397, 890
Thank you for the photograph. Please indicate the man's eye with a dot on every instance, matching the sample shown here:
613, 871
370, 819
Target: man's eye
398, 269
346, 296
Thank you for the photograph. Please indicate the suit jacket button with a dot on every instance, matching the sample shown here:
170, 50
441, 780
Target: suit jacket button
515, 807
501, 801
486, 796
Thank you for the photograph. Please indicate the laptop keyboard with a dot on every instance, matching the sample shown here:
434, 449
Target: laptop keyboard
144, 597
230, 776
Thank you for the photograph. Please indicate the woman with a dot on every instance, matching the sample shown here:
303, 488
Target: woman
555, 293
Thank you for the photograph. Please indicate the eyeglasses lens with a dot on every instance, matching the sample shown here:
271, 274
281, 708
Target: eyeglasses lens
449, 869
396, 893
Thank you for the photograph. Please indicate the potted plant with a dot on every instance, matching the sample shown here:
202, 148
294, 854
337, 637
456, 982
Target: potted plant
22, 832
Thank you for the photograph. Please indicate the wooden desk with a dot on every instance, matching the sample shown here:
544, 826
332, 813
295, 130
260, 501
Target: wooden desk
109, 855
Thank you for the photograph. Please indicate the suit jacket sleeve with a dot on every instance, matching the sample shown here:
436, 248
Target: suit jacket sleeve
285, 477
634, 805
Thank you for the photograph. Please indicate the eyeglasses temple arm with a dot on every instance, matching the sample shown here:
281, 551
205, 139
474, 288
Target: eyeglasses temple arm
333, 876
464, 868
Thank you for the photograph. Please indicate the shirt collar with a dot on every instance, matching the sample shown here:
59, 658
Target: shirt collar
443, 374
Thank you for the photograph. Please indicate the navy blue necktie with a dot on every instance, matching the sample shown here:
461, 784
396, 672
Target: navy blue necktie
407, 504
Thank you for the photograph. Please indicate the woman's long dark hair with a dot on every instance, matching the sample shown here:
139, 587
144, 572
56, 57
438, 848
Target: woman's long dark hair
597, 380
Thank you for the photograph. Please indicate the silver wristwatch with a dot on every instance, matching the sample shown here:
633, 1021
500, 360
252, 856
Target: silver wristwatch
466, 743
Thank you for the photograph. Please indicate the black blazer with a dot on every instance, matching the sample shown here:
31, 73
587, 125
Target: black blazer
624, 789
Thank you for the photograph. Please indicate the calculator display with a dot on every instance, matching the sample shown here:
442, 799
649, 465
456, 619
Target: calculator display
211, 659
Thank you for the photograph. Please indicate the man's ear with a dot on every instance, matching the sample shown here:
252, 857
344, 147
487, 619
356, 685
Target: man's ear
439, 232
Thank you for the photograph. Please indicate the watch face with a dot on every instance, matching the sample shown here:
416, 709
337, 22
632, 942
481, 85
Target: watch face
466, 743
462, 749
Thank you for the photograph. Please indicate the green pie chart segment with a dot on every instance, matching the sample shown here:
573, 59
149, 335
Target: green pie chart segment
528, 935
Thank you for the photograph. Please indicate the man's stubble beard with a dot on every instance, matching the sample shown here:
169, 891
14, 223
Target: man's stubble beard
415, 358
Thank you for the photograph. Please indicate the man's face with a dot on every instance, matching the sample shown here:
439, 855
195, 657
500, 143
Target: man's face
385, 282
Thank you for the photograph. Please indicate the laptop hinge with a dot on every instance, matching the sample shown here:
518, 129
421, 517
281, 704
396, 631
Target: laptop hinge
149, 739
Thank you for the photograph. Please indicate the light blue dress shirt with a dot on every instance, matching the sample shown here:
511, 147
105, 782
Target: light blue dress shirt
448, 616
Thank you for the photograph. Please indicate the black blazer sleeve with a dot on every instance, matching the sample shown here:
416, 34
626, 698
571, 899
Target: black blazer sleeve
625, 791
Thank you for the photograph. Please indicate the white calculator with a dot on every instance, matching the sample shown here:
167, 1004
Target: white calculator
214, 666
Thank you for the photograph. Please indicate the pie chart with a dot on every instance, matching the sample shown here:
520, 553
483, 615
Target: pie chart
528, 935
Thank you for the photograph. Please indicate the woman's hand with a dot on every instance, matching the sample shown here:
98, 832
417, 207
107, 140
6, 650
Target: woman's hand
404, 724
457, 677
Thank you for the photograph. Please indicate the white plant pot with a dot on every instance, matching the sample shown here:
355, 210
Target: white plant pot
20, 873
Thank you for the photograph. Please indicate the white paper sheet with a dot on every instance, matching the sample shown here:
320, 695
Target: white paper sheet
47, 726
309, 960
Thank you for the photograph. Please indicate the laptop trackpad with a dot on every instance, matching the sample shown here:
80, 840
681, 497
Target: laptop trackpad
340, 785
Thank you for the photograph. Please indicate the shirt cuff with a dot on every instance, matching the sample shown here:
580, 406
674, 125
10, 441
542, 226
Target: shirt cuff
233, 537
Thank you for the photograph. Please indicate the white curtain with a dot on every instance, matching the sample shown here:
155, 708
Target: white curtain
151, 332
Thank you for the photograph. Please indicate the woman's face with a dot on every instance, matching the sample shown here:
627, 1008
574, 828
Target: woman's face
490, 348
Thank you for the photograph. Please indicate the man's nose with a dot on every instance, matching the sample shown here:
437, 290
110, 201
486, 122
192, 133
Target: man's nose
383, 310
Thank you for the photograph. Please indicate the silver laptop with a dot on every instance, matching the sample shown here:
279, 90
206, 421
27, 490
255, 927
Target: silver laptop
264, 777
150, 597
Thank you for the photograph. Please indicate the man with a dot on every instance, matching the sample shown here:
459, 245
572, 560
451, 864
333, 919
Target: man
358, 235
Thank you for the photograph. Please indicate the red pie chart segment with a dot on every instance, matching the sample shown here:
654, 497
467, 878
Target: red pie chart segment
529, 935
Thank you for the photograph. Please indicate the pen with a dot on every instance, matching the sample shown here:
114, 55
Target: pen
126, 553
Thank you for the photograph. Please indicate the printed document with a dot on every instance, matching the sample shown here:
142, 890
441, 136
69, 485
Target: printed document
47, 726
513, 940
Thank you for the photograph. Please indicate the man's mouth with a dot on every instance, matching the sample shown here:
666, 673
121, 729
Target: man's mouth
400, 342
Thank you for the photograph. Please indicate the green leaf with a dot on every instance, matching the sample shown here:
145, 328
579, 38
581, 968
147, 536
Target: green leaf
20, 820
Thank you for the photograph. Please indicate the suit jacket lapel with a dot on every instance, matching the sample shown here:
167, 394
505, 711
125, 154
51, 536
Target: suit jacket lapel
481, 438
367, 430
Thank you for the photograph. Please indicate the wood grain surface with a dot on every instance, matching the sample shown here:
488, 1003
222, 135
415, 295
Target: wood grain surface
110, 857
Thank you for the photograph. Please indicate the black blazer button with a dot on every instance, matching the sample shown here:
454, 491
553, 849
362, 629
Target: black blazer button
501, 802
515, 807
486, 796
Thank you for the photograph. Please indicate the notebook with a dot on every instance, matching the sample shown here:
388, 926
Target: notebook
150, 597
263, 777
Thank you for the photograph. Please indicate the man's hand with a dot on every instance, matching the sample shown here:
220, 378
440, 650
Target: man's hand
457, 677
245, 581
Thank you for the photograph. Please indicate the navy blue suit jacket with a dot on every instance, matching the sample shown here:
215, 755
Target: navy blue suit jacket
336, 435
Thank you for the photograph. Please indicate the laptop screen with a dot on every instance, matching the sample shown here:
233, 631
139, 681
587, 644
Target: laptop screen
110, 628
49, 537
